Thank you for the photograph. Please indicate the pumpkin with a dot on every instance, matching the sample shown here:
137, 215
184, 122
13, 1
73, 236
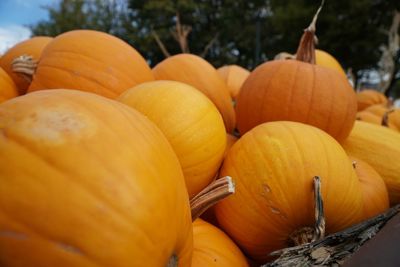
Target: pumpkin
325, 59
212, 247
7, 87
370, 117
197, 72
393, 115
191, 123
273, 166
90, 61
369, 97
87, 181
234, 76
298, 90
32, 47
375, 194
379, 147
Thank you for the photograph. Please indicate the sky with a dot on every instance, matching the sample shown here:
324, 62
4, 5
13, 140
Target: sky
15, 15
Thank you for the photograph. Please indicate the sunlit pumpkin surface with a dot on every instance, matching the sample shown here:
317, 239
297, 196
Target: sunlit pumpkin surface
87, 181
7, 87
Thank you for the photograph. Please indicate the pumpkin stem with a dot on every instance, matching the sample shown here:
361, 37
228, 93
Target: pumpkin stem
385, 118
354, 163
306, 49
173, 261
308, 234
25, 66
214, 192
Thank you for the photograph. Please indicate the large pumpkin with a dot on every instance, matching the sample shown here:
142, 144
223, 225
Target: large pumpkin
212, 247
7, 87
32, 47
234, 77
380, 148
273, 166
369, 97
87, 181
191, 123
90, 61
200, 74
325, 59
297, 91
375, 194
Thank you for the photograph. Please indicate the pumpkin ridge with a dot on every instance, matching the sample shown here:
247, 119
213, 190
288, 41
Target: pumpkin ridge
331, 107
312, 95
117, 70
291, 92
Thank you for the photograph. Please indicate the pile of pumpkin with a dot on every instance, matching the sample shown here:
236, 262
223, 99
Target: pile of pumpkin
106, 162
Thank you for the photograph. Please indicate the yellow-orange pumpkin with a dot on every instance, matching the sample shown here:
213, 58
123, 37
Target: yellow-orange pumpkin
379, 147
369, 97
32, 47
90, 61
273, 166
325, 59
212, 247
297, 91
7, 87
191, 123
234, 77
379, 110
197, 72
371, 117
87, 181
375, 194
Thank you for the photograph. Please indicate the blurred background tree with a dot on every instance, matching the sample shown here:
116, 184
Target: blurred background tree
243, 32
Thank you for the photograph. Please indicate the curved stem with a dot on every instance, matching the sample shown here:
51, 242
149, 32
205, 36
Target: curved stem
25, 66
306, 50
385, 118
214, 192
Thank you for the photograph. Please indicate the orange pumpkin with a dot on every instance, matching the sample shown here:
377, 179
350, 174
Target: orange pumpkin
369, 97
90, 61
191, 123
325, 59
197, 72
32, 47
393, 116
297, 91
273, 166
212, 247
370, 117
87, 181
8, 89
234, 77
379, 147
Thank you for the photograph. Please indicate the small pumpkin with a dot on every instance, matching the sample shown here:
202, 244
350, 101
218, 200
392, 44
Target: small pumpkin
84, 181
200, 74
191, 123
375, 194
90, 61
32, 47
212, 247
298, 90
369, 97
234, 76
8, 89
393, 115
325, 59
379, 147
273, 166
371, 117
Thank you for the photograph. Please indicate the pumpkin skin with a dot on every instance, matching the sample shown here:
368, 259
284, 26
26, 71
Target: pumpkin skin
191, 123
369, 97
296, 91
200, 74
32, 47
234, 77
87, 181
375, 194
212, 247
273, 166
379, 147
8, 89
90, 61
325, 59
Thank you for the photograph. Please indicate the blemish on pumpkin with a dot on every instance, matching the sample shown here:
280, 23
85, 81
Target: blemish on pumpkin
13, 234
69, 248
275, 210
266, 188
